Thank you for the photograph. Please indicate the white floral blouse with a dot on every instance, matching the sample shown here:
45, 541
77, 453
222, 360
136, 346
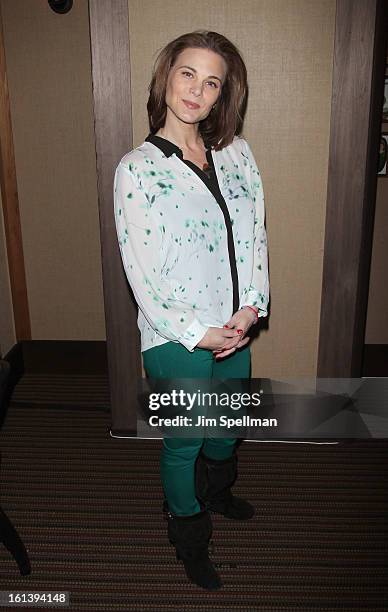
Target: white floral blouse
193, 245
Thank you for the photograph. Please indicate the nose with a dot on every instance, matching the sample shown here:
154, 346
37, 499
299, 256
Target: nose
196, 89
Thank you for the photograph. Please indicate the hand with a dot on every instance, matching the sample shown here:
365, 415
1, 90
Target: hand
224, 353
242, 320
217, 338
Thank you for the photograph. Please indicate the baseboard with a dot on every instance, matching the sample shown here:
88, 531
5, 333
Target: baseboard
58, 373
59, 357
375, 362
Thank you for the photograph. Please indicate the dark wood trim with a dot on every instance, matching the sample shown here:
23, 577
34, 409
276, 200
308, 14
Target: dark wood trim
358, 85
109, 38
10, 203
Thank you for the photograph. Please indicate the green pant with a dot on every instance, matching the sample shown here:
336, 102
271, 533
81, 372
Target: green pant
178, 457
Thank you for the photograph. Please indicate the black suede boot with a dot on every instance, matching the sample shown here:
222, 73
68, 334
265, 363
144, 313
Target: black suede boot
190, 535
213, 481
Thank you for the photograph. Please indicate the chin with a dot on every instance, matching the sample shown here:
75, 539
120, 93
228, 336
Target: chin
186, 116
190, 119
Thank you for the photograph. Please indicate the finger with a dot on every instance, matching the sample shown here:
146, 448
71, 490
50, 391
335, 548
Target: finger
243, 342
241, 333
229, 324
232, 322
230, 333
223, 354
225, 346
231, 344
233, 319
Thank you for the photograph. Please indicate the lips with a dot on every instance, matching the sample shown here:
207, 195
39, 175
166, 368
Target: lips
191, 105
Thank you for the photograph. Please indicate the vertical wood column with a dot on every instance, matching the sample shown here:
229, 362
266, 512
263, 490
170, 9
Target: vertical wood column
113, 136
10, 203
358, 85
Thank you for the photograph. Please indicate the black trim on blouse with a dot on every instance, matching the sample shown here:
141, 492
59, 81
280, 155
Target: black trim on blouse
209, 178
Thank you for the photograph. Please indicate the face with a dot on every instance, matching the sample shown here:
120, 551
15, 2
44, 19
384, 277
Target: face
194, 84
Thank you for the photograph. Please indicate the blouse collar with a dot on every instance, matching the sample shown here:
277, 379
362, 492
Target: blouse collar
166, 146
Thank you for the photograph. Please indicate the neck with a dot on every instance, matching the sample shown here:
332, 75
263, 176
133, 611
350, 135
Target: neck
183, 135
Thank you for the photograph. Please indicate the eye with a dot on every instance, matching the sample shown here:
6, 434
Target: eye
187, 73
213, 84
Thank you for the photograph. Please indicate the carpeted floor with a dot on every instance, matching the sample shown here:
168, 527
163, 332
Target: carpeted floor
67, 390
88, 508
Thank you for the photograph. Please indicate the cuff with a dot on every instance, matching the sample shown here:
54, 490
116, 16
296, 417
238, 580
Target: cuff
257, 299
193, 334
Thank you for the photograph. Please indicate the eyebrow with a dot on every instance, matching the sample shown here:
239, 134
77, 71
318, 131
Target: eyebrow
211, 76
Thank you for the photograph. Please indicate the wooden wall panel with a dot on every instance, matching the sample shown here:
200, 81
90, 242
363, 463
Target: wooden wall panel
10, 203
113, 133
358, 83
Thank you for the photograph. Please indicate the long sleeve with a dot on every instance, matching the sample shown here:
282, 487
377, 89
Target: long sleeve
257, 294
141, 246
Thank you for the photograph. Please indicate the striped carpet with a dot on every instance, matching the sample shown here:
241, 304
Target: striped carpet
88, 508
63, 389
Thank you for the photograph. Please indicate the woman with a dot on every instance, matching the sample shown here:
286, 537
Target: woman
189, 215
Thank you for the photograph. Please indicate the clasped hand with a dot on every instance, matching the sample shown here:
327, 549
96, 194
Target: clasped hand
226, 340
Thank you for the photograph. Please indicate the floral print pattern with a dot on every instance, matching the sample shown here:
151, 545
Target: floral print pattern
173, 241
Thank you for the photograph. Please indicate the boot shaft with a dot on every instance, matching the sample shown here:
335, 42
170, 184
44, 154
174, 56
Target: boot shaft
190, 534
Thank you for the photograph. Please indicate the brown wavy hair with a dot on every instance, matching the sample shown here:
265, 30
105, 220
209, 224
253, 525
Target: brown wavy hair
226, 119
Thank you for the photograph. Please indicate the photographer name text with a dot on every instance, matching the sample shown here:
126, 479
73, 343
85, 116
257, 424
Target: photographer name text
222, 421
